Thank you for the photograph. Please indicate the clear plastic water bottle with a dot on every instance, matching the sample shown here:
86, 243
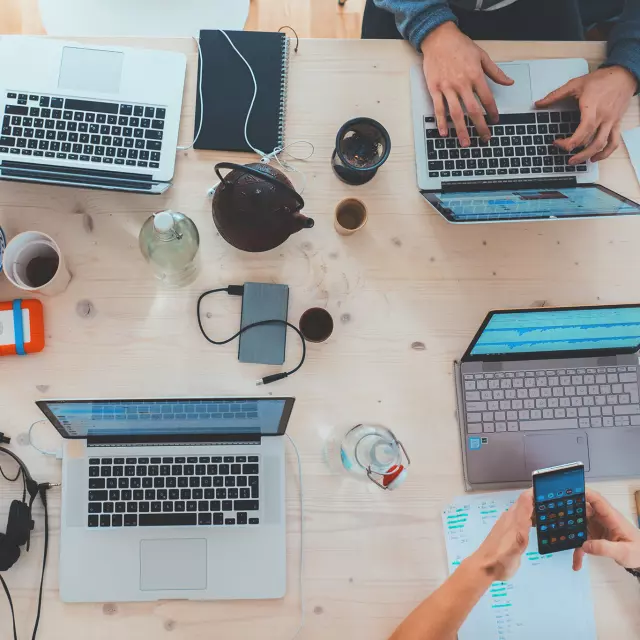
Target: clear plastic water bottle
373, 452
169, 242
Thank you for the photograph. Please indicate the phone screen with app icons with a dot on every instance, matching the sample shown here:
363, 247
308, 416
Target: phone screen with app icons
560, 507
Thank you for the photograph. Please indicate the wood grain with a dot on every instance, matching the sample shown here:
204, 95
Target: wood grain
407, 294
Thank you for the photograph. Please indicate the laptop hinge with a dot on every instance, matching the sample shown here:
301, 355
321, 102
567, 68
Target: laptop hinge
492, 185
77, 177
173, 440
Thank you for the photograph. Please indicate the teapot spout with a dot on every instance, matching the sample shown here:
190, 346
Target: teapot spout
302, 222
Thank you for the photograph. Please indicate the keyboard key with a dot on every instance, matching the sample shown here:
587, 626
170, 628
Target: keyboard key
537, 425
204, 518
98, 496
246, 505
626, 410
130, 520
93, 521
14, 110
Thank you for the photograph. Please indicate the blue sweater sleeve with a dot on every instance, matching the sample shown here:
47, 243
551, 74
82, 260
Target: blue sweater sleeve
417, 18
624, 42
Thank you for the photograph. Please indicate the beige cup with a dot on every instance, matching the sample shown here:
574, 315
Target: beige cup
350, 216
33, 262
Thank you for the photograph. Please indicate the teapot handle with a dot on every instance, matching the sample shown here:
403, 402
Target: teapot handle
258, 174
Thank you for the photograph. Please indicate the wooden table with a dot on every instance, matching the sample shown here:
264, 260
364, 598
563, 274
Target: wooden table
406, 294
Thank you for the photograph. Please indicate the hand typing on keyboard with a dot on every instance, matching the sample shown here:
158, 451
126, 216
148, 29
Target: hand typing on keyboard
455, 69
603, 97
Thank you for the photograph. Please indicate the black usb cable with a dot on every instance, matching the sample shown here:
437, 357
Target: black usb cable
238, 290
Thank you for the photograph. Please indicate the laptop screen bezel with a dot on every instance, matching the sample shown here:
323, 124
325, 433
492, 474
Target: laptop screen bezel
545, 355
43, 405
431, 196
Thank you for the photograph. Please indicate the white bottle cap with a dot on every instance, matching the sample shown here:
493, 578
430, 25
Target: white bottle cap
163, 221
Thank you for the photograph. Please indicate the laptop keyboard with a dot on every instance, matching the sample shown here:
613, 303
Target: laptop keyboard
174, 491
87, 131
522, 144
552, 399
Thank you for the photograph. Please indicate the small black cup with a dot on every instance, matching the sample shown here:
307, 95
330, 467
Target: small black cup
362, 147
316, 324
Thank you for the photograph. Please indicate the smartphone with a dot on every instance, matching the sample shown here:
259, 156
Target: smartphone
560, 507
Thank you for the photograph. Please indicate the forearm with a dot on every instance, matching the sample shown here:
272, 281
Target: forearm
415, 19
624, 42
441, 615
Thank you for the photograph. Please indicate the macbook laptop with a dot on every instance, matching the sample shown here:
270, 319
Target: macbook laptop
89, 116
543, 387
180, 498
519, 174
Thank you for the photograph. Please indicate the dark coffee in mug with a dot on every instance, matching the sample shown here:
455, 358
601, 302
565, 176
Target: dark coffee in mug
316, 324
41, 269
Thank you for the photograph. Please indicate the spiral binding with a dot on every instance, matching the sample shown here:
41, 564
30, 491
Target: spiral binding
284, 87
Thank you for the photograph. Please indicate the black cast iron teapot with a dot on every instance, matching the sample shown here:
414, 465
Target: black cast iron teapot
255, 206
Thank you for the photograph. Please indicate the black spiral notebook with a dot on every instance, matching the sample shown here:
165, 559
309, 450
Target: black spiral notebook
227, 89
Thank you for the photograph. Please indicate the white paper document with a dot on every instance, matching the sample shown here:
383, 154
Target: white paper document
545, 599
632, 141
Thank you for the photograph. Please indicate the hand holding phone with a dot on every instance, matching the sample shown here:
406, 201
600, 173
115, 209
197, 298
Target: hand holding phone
610, 534
560, 507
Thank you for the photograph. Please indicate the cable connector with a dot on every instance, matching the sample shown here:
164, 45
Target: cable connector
273, 378
235, 289
4, 439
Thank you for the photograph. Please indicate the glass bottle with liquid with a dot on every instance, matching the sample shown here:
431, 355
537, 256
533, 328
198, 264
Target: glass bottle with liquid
372, 452
169, 242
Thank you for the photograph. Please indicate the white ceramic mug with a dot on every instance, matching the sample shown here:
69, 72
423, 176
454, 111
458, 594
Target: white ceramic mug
18, 263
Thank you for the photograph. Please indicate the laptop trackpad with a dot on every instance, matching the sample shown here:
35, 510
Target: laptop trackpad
516, 95
173, 564
542, 451
91, 70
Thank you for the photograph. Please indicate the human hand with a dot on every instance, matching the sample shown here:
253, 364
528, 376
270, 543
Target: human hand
455, 68
603, 96
500, 553
610, 534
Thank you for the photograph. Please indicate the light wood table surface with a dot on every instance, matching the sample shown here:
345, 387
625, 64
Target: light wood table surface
407, 294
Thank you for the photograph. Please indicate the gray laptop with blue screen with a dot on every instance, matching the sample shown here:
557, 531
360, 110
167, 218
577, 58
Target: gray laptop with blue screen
172, 498
542, 387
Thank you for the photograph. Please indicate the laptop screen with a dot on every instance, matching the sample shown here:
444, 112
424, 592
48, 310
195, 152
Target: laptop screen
563, 330
194, 416
532, 204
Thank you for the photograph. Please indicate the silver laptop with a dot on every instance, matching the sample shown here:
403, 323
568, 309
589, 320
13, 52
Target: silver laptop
542, 387
180, 498
89, 116
520, 174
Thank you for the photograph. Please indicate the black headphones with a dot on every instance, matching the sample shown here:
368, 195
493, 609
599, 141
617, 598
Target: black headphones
19, 524
19, 527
